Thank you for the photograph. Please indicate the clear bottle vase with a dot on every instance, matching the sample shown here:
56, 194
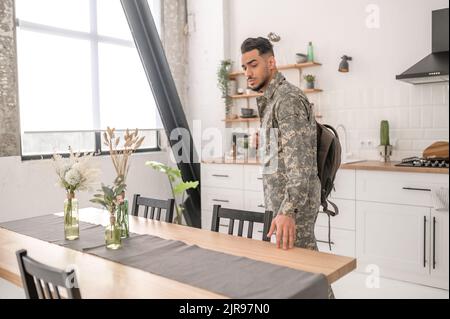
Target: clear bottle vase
113, 233
71, 218
123, 218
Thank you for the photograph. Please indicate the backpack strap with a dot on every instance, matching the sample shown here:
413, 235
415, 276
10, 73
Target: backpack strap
329, 214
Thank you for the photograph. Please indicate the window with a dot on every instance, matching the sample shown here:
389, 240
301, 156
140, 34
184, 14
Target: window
79, 72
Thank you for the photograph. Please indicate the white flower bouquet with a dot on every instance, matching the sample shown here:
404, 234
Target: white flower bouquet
74, 173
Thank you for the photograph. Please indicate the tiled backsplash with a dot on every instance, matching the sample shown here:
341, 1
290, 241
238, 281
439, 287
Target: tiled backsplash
418, 115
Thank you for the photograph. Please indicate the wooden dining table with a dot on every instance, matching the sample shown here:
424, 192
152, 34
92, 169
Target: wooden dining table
102, 278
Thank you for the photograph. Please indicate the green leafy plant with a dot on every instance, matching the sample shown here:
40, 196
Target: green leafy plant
110, 197
309, 78
223, 80
177, 186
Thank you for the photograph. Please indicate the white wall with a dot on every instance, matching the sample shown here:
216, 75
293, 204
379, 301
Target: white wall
418, 115
207, 46
29, 188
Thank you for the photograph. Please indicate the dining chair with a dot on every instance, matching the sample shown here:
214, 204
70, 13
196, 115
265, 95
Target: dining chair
242, 216
43, 282
153, 204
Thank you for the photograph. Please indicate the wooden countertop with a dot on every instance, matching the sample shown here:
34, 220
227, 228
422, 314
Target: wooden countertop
364, 165
390, 167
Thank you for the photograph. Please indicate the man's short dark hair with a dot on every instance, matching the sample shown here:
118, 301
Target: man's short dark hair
263, 45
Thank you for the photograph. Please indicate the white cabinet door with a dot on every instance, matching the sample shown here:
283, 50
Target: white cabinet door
343, 241
344, 220
254, 201
228, 198
344, 184
206, 219
398, 187
394, 238
222, 175
439, 248
253, 178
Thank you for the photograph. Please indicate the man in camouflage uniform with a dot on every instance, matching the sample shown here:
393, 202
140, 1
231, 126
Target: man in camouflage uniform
288, 129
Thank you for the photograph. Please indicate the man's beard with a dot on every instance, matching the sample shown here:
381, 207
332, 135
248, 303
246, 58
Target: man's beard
263, 83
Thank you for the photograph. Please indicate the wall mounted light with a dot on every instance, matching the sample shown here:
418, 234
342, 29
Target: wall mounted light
343, 66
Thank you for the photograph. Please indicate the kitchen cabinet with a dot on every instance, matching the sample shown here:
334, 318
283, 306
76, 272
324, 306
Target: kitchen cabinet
342, 241
406, 242
397, 229
398, 188
395, 238
232, 186
239, 186
439, 260
386, 219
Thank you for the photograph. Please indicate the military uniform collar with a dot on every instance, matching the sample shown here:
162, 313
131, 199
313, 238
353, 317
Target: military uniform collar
269, 92
277, 79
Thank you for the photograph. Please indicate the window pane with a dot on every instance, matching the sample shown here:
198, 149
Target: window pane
68, 14
55, 142
54, 82
126, 99
112, 21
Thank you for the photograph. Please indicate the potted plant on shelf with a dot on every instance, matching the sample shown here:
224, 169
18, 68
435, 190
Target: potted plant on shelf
309, 78
223, 83
385, 148
177, 185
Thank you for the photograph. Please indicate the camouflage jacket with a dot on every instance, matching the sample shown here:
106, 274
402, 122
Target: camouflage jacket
290, 180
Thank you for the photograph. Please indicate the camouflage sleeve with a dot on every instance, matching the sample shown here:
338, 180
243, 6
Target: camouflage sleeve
296, 143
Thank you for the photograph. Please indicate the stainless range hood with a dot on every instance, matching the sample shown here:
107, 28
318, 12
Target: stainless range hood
434, 67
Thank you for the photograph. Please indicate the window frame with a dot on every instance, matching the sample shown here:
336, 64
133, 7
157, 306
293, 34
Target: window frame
94, 40
97, 145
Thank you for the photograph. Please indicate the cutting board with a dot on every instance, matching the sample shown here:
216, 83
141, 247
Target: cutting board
437, 149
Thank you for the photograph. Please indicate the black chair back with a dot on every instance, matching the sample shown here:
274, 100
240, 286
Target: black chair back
242, 216
153, 204
44, 282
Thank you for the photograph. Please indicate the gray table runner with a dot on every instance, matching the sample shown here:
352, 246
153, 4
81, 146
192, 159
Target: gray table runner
228, 275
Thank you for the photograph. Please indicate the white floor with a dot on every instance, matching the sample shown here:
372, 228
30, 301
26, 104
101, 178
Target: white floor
352, 286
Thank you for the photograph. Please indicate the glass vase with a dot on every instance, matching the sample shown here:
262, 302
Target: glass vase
113, 232
71, 224
123, 218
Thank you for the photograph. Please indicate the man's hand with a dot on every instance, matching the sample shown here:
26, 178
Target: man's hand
285, 230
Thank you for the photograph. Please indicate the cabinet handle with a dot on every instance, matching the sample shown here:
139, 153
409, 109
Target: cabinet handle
424, 241
223, 225
220, 175
260, 178
261, 206
325, 241
417, 189
221, 200
434, 242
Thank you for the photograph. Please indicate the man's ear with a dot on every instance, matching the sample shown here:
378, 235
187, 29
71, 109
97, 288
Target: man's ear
271, 62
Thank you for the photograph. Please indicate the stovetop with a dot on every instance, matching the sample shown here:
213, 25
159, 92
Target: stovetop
423, 162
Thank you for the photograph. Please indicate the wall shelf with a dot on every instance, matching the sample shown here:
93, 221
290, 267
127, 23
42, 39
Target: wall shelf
242, 120
252, 119
281, 67
312, 90
252, 95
